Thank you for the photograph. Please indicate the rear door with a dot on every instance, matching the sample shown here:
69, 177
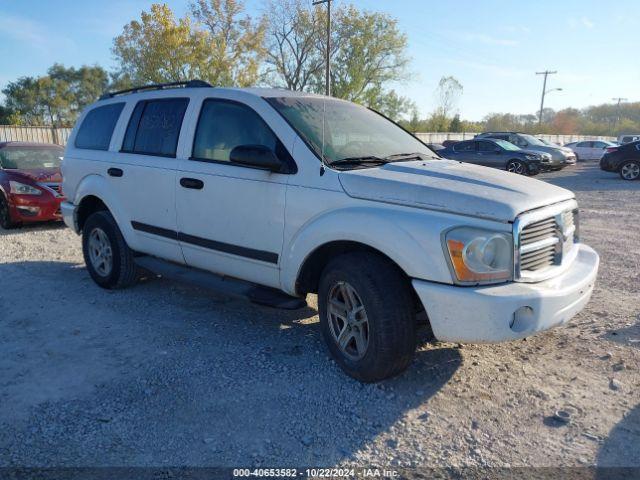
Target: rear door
230, 216
598, 150
144, 175
583, 150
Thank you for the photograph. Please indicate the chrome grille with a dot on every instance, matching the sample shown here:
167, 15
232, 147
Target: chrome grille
544, 241
539, 244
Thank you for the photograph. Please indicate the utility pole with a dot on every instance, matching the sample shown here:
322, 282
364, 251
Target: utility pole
327, 87
546, 73
619, 100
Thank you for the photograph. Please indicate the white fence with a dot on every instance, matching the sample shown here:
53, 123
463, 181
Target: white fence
60, 135
559, 139
15, 133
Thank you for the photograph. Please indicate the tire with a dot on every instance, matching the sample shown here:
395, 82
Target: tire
5, 216
101, 233
630, 170
388, 308
517, 166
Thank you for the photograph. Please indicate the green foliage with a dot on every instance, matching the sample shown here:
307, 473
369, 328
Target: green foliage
215, 44
56, 98
368, 53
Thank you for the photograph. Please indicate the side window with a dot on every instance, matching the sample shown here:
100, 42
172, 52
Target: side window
517, 140
584, 145
487, 146
154, 127
97, 127
224, 125
599, 145
464, 147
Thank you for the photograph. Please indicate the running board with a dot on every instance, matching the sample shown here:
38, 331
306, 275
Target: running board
227, 285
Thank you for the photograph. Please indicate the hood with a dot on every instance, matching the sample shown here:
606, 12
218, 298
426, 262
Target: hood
528, 152
556, 152
454, 187
40, 175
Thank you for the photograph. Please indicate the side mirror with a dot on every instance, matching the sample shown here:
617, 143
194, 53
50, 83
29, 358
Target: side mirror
498, 150
256, 156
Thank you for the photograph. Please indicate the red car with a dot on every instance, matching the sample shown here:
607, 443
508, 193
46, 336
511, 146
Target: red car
30, 183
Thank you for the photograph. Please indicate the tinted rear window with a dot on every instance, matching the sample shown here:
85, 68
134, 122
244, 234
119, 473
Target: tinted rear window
97, 127
154, 127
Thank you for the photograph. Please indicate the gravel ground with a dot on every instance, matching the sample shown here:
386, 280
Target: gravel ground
167, 374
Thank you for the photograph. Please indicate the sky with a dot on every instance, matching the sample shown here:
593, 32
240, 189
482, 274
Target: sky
493, 47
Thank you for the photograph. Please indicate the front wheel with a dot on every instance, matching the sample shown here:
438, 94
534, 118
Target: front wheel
108, 258
5, 214
367, 316
516, 166
630, 170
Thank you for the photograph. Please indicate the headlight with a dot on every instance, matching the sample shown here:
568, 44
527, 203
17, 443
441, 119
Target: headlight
23, 189
480, 256
532, 157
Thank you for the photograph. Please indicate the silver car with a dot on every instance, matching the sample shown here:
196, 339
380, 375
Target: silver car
560, 156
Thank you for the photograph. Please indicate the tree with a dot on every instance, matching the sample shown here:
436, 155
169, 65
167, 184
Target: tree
456, 124
235, 43
447, 96
56, 98
292, 54
160, 49
220, 46
7, 116
368, 53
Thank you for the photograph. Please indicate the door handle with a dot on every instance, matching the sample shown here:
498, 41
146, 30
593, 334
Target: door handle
193, 183
115, 172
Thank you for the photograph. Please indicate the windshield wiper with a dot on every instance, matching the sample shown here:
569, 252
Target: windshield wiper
401, 157
367, 159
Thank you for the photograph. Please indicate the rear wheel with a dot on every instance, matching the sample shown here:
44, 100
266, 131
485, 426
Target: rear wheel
5, 215
630, 170
517, 166
367, 316
108, 258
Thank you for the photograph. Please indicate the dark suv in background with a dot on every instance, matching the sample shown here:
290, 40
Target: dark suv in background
560, 156
497, 154
624, 159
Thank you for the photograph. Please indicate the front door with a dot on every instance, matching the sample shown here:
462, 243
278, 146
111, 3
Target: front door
231, 217
490, 154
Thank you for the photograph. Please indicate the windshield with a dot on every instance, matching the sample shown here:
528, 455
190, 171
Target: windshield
531, 140
350, 131
507, 145
30, 158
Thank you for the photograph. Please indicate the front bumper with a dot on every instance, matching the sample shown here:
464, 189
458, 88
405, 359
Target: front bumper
35, 208
509, 311
69, 215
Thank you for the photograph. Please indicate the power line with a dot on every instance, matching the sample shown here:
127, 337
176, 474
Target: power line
546, 73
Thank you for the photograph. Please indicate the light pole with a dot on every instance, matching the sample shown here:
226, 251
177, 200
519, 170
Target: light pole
546, 73
327, 87
619, 100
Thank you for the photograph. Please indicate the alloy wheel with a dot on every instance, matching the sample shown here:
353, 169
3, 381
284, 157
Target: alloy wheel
100, 252
516, 167
630, 171
348, 320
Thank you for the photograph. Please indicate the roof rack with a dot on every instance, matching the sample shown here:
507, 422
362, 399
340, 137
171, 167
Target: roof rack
158, 86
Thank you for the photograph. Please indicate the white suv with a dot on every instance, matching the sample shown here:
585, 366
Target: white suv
289, 193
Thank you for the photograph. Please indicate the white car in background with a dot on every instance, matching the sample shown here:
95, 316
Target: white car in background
590, 150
